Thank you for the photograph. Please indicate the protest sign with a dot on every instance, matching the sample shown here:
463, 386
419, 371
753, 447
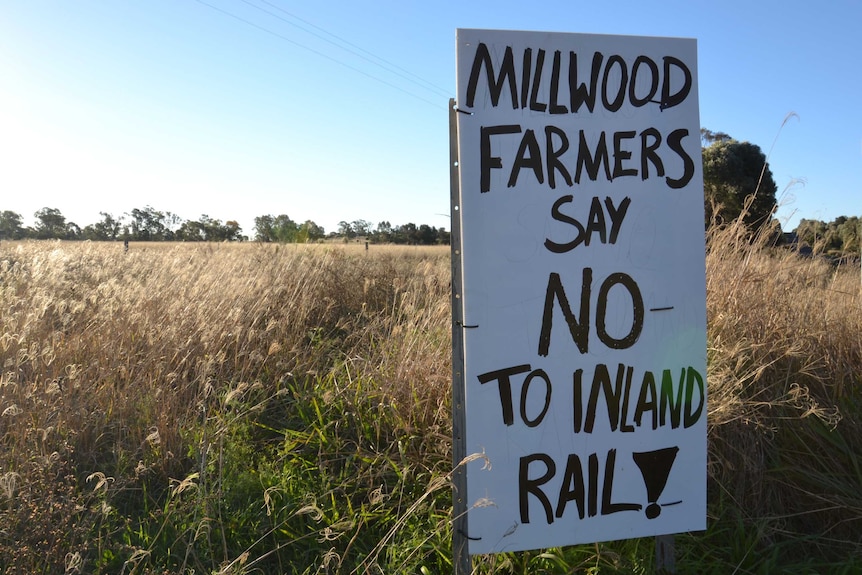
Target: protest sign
583, 287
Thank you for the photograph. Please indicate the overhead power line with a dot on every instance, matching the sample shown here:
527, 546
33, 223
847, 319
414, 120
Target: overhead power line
321, 54
348, 46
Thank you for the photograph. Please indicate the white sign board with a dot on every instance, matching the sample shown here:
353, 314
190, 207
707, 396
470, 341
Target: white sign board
584, 293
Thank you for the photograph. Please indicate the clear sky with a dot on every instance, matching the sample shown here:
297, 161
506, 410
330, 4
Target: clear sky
335, 111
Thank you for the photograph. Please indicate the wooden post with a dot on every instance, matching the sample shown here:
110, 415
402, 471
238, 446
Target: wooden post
665, 562
461, 562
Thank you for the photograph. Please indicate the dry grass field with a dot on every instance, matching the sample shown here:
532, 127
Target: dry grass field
248, 408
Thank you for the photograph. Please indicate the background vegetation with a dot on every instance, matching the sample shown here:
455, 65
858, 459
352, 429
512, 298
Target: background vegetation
151, 225
738, 185
266, 408
840, 237
737, 181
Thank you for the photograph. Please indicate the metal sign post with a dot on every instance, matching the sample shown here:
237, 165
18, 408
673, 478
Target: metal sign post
665, 562
461, 556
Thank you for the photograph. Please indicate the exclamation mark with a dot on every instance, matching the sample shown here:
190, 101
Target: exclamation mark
655, 468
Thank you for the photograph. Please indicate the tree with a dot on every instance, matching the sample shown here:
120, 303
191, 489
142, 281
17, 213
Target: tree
737, 181
849, 231
285, 229
277, 229
427, 235
191, 231
840, 236
73, 231
263, 231
346, 229
232, 231
51, 224
383, 233
208, 229
361, 227
213, 229
149, 224
811, 232
10, 226
108, 229
443, 237
309, 232
708, 136
406, 234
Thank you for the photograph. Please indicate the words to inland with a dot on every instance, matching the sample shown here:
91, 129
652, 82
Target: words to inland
629, 402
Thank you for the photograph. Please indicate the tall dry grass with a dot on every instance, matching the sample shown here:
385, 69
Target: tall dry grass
112, 362
173, 408
785, 376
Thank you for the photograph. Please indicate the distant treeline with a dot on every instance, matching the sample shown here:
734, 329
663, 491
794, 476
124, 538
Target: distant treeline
838, 237
841, 236
386, 233
148, 224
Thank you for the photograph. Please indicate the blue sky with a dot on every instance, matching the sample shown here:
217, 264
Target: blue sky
338, 111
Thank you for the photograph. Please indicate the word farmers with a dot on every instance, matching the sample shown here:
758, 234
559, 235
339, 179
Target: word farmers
557, 157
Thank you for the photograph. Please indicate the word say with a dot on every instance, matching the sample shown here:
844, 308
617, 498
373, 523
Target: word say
597, 223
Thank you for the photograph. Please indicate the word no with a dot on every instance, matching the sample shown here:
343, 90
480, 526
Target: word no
579, 327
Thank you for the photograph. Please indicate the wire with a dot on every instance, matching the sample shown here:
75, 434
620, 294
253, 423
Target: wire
374, 58
321, 54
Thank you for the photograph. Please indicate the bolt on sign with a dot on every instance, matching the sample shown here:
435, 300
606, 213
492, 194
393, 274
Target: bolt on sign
584, 291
